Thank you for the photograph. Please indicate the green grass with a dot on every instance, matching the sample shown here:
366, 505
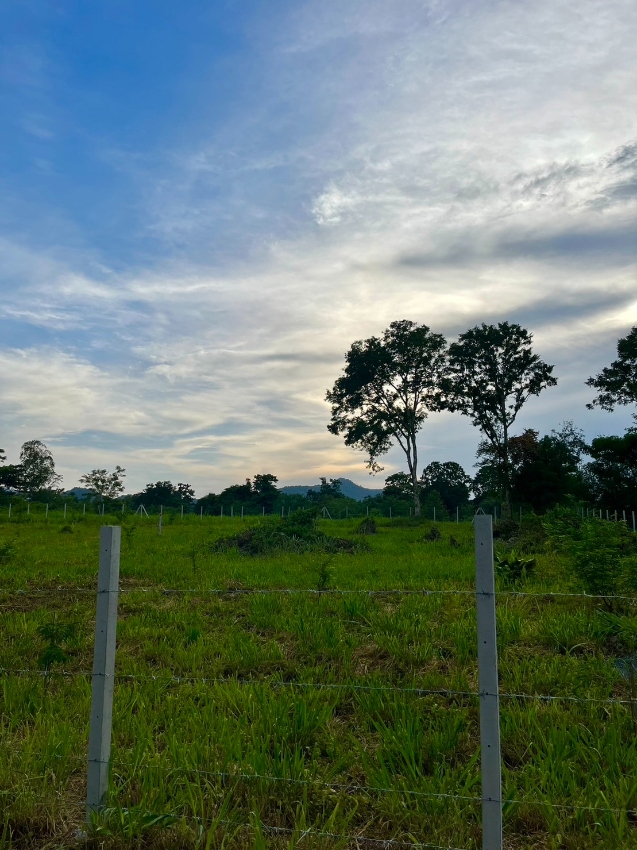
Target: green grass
316, 690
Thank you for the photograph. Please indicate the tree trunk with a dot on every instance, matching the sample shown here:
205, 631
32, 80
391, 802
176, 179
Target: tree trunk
506, 507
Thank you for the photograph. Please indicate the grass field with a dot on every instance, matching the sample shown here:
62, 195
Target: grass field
313, 692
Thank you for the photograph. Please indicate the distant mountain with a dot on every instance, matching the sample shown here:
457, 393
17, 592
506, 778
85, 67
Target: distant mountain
78, 492
348, 488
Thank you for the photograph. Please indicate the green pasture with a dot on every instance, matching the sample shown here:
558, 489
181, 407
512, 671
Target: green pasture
309, 729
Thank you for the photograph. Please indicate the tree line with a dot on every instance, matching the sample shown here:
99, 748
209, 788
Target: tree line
388, 388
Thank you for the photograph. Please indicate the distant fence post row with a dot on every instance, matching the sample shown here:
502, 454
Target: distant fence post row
627, 516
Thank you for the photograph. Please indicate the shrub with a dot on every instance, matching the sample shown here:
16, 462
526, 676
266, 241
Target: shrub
297, 533
367, 526
512, 567
603, 554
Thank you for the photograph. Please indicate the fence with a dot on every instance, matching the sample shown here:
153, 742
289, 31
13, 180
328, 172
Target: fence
362, 511
103, 677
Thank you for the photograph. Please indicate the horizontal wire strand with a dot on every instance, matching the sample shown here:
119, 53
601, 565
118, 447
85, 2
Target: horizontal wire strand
315, 685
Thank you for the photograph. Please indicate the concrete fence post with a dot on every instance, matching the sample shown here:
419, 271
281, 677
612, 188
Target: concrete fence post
488, 686
103, 681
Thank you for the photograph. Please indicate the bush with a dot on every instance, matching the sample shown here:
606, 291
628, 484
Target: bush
512, 567
367, 526
296, 533
603, 554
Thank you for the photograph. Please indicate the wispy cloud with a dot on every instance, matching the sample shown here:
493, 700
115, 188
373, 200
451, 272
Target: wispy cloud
449, 162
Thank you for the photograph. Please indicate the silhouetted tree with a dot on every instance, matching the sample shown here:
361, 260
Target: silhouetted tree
493, 371
388, 387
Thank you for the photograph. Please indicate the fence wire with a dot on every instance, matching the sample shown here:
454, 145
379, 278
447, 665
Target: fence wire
341, 686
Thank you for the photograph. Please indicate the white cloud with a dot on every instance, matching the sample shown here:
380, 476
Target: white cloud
467, 162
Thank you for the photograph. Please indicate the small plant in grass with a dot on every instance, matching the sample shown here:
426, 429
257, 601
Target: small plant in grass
57, 637
324, 576
129, 822
512, 567
66, 529
192, 636
624, 630
432, 535
6, 552
129, 533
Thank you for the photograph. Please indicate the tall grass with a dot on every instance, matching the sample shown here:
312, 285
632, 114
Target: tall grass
300, 714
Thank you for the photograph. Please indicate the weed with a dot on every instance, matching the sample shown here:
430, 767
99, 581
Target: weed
512, 567
6, 552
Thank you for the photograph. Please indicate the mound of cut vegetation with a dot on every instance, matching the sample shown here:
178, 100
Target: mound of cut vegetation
298, 532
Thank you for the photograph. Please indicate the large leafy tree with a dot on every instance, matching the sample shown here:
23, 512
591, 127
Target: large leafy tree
493, 371
9, 473
264, 491
388, 387
545, 471
37, 468
104, 484
613, 470
617, 383
449, 480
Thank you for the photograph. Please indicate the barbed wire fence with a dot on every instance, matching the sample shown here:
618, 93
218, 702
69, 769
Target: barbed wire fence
103, 677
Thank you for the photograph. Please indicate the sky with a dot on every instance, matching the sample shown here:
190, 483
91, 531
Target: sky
202, 205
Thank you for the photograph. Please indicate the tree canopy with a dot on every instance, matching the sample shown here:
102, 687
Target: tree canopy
612, 472
37, 468
387, 389
105, 484
492, 372
617, 383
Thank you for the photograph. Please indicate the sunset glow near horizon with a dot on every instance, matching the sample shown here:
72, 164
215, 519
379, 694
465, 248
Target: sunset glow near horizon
203, 206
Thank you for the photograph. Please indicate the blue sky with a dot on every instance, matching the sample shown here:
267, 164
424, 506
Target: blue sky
203, 204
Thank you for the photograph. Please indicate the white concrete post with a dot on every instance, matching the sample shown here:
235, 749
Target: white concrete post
367, 510
434, 513
390, 516
123, 506
633, 520
221, 514
263, 514
46, 513
241, 511
159, 524
624, 516
28, 508
231, 511
182, 511
84, 508
488, 686
457, 514
99, 746
9, 510
64, 510
201, 513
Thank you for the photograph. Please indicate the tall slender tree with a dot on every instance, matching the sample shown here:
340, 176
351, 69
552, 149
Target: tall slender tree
493, 371
389, 386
